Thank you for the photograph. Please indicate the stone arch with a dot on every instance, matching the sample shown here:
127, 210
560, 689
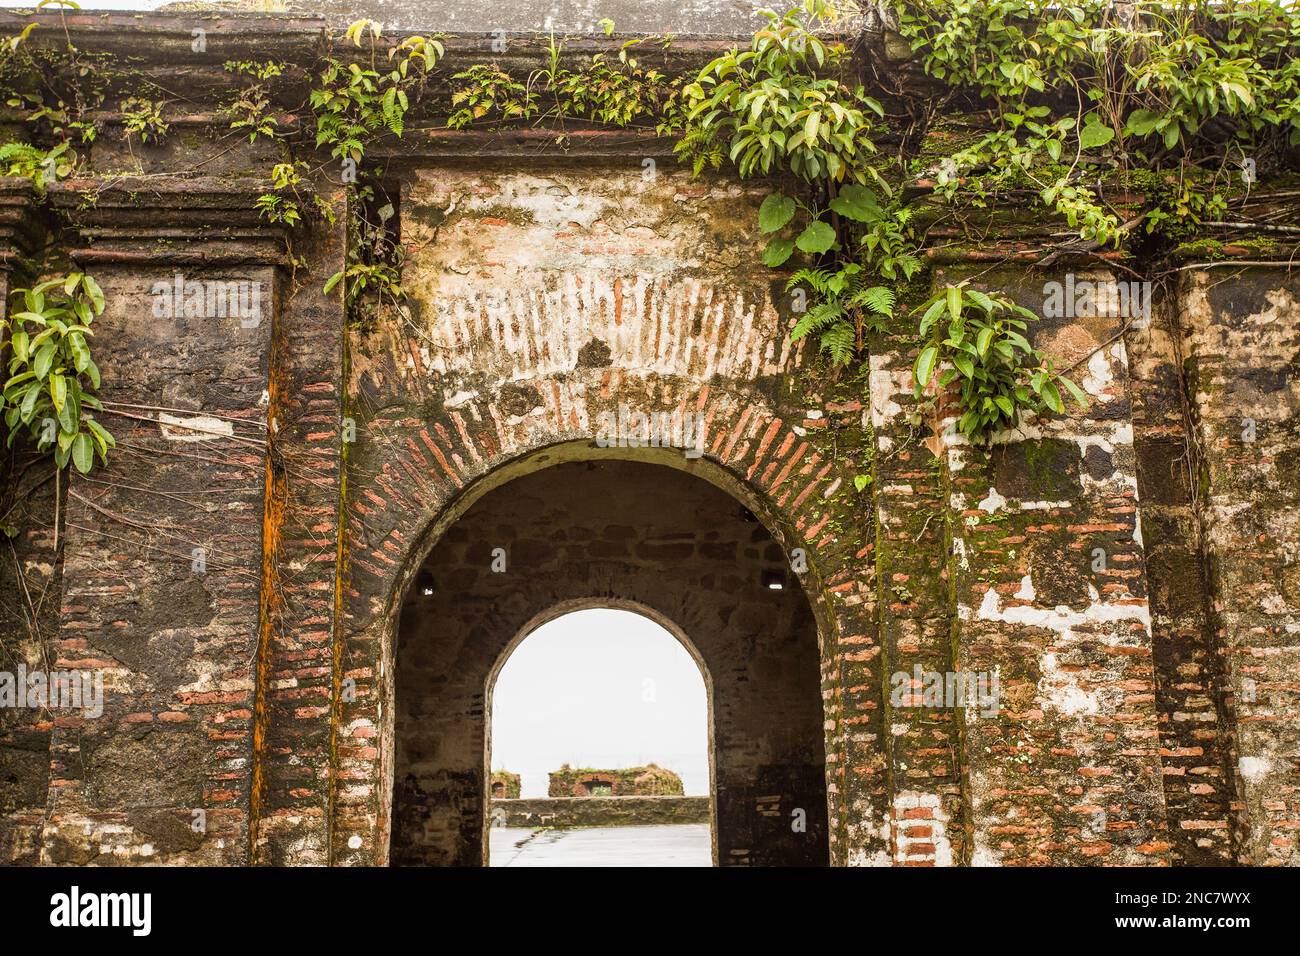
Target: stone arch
580, 531
419, 475
564, 608
537, 303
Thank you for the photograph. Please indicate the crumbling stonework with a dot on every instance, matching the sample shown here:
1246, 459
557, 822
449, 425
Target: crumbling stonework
505, 785
320, 537
600, 811
648, 781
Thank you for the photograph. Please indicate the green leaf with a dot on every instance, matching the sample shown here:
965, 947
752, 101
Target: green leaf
1142, 123
332, 281
83, 452
28, 406
857, 203
44, 359
1052, 397
80, 353
58, 391
775, 212
1094, 133
954, 301
102, 435
1075, 392
924, 366
68, 416
817, 238
95, 292
777, 252
861, 481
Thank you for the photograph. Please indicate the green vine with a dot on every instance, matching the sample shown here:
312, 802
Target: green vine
1070, 106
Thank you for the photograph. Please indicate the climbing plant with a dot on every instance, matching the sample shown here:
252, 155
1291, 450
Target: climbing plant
1071, 105
788, 104
52, 377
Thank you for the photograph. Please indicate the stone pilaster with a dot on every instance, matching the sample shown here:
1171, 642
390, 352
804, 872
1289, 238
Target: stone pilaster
165, 566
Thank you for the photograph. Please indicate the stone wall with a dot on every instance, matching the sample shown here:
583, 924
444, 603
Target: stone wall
250, 571
600, 811
505, 785
648, 781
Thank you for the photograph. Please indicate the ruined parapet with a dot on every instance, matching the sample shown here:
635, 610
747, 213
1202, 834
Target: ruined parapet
505, 785
562, 812
648, 781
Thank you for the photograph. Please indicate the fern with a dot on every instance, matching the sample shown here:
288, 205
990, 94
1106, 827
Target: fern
840, 343
815, 279
878, 299
818, 318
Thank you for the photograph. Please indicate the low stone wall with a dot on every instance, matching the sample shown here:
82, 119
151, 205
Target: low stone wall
599, 811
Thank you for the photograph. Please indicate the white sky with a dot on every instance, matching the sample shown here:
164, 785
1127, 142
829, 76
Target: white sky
600, 688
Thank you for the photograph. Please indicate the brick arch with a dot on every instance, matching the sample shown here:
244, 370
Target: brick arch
585, 531
414, 477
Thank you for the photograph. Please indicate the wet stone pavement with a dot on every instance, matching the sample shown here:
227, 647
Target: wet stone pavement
676, 845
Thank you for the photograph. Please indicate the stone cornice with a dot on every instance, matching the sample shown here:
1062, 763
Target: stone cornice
191, 221
19, 223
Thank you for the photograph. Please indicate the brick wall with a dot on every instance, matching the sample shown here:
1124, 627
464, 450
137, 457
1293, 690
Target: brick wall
254, 709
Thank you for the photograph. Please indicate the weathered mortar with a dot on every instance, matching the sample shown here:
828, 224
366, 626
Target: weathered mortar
544, 292
1241, 342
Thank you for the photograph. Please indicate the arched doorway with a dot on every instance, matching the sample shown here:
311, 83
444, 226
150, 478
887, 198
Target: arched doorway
611, 533
592, 706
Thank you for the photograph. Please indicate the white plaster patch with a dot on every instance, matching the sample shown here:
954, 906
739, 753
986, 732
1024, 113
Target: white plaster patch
992, 502
1026, 592
1255, 769
859, 857
1063, 619
196, 428
550, 204
936, 821
1099, 377
959, 549
985, 856
1044, 505
1058, 689
885, 384
1061, 692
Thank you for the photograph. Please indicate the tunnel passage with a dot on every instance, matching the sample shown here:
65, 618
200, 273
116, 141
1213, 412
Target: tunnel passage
612, 534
